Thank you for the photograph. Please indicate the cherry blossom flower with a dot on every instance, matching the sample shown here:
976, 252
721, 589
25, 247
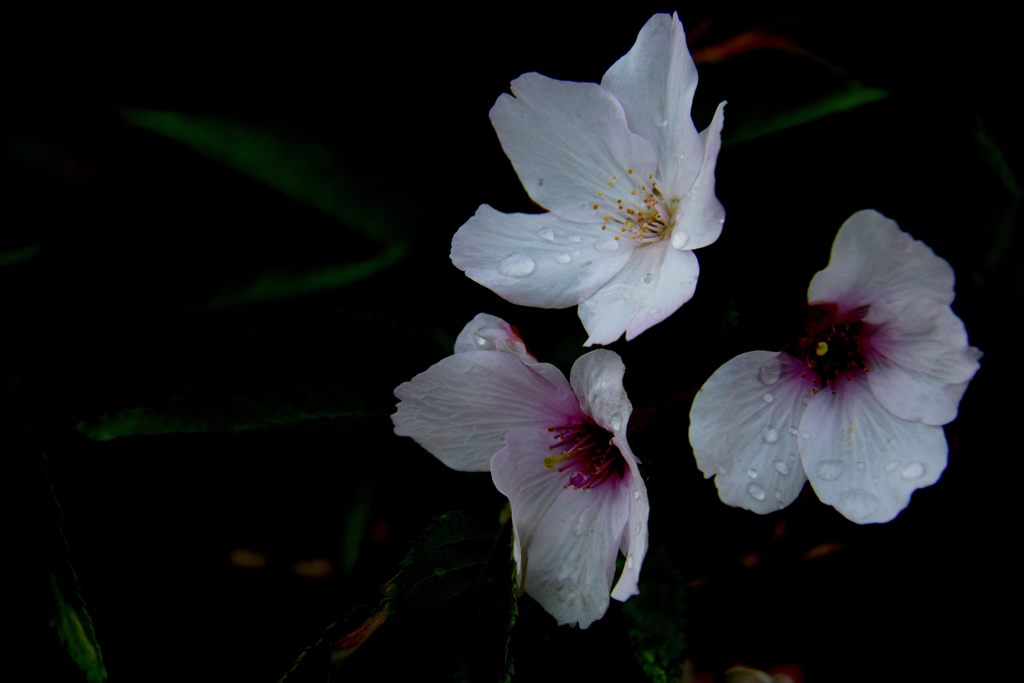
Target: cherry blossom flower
857, 404
627, 182
557, 449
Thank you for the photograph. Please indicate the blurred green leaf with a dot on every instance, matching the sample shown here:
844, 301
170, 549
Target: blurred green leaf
854, 95
13, 257
657, 619
276, 286
231, 407
74, 628
301, 169
447, 614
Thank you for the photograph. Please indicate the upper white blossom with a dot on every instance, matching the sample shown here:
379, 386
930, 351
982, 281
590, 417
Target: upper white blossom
856, 404
557, 449
628, 183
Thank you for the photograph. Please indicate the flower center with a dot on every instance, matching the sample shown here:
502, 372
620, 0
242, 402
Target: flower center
634, 208
585, 451
833, 345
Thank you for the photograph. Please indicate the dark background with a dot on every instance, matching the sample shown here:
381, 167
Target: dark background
280, 499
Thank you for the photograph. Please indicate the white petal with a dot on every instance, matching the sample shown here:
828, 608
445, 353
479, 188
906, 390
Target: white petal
487, 332
461, 408
568, 141
634, 540
862, 459
921, 366
655, 82
743, 429
537, 259
568, 537
596, 377
700, 215
655, 282
875, 263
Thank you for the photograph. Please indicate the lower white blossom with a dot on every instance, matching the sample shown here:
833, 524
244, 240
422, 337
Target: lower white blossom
857, 404
557, 449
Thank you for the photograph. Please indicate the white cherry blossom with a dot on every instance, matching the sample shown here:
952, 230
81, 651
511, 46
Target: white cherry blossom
556, 448
628, 184
857, 404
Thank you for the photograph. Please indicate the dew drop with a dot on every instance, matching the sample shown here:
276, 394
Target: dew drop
752, 473
891, 466
768, 398
830, 470
770, 371
858, 505
663, 123
480, 341
547, 234
629, 562
755, 491
615, 422
563, 258
607, 245
517, 265
914, 470
636, 495
648, 278
769, 435
781, 467
793, 431
680, 239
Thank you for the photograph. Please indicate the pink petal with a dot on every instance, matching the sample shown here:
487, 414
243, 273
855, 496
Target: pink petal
634, 540
921, 366
743, 429
596, 377
461, 407
568, 537
536, 259
568, 142
862, 459
490, 333
654, 283
700, 216
876, 264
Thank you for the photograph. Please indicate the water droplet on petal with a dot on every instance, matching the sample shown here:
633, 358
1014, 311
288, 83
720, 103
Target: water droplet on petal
755, 491
914, 470
781, 467
547, 234
770, 371
629, 561
517, 265
563, 258
637, 528
680, 239
752, 473
636, 495
663, 123
891, 466
607, 245
648, 278
830, 470
768, 398
769, 435
615, 422
858, 505
480, 341
793, 431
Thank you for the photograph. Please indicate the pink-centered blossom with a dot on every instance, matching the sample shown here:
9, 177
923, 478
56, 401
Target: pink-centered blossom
557, 449
628, 184
856, 405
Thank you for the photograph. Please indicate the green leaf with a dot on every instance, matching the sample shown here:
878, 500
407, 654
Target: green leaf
854, 95
232, 407
13, 257
657, 618
447, 614
74, 628
300, 169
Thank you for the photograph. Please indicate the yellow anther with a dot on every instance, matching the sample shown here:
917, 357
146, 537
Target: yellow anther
821, 349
